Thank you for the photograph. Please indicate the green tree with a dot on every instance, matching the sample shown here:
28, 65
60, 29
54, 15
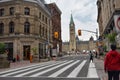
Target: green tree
111, 37
2, 48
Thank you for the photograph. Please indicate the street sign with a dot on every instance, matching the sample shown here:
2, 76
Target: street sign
117, 22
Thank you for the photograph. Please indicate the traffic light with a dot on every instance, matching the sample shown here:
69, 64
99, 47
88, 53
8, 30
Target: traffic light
79, 32
56, 35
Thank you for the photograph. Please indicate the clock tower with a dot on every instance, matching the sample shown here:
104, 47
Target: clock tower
72, 42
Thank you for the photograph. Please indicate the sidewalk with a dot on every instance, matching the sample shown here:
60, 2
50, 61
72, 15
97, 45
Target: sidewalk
99, 63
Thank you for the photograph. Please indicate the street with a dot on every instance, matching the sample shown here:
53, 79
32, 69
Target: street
73, 67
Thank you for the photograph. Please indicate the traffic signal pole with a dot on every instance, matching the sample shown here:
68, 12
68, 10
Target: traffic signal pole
92, 32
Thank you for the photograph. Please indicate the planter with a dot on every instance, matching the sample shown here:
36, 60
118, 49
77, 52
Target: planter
4, 63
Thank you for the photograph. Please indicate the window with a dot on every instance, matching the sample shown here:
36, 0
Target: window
40, 15
1, 12
27, 11
12, 10
11, 27
46, 20
1, 28
43, 31
40, 30
27, 28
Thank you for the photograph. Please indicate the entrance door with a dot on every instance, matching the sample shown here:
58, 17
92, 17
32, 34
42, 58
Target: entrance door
26, 52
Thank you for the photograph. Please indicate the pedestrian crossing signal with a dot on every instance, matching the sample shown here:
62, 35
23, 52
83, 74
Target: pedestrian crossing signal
79, 32
56, 35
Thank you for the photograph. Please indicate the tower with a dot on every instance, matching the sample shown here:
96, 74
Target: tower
72, 41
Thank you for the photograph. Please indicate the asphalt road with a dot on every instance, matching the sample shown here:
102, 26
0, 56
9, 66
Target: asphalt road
73, 67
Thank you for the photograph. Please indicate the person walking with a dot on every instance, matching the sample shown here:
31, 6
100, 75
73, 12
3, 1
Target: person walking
112, 63
91, 56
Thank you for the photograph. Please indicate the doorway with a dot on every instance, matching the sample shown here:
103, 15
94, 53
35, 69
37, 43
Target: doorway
26, 52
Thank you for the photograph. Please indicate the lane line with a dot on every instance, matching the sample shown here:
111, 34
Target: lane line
75, 72
63, 69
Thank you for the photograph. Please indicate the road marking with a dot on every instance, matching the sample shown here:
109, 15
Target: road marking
63, 69
45, 71
37, 64
27, 69
22, 74
92, 73
75, 72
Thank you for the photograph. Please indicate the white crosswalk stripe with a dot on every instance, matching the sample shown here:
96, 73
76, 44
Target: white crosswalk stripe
49, 69
92, 73
63, 69
68, 68
75, 72
29, 69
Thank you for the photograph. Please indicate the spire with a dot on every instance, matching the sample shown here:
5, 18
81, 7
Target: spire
71, 20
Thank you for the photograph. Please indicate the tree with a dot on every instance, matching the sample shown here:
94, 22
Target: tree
111, 37
2, 48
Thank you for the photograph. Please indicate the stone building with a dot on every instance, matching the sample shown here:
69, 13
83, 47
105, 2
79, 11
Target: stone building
81, 45
107, 11
24, 25
74, 44
56, 25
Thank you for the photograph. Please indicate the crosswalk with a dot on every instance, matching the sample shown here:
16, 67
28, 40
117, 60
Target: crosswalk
55, 69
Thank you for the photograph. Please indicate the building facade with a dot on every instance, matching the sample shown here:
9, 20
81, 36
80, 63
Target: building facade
24, 25
107, 11
81, 46
56, 26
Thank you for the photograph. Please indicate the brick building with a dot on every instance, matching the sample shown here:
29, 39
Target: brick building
56, 26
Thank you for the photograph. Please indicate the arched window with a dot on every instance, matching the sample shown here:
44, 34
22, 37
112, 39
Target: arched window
27, 11
1, 28
11, 27
12, 10
27, 28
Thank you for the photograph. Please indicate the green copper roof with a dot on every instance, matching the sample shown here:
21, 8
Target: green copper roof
71, 20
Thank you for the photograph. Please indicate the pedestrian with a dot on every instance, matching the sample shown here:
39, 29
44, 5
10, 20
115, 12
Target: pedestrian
91, 56
112, 63
96, 54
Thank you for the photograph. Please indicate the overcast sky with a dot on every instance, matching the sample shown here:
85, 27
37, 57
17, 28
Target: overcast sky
84, 15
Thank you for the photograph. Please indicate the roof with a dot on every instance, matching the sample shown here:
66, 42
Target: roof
71, 20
